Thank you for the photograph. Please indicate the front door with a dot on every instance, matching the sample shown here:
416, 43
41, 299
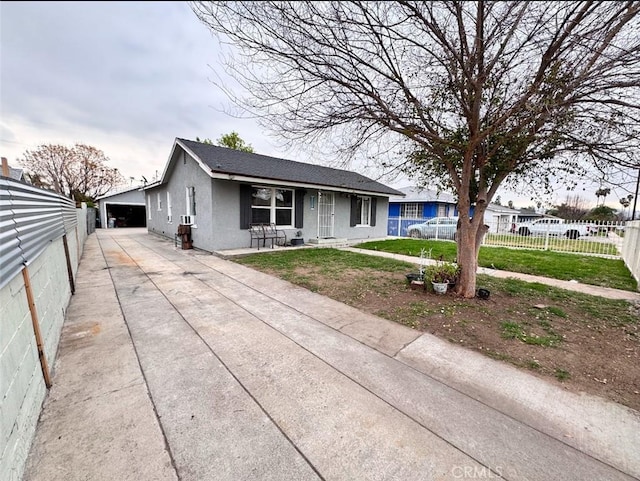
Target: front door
326, 211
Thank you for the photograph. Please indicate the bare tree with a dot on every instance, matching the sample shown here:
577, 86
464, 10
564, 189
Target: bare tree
573, 208
469, 95
78, 172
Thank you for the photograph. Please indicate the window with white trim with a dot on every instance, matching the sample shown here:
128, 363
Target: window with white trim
159, 196
169, 212
191, 201
190, 216
364, 207
271, 205
412, 211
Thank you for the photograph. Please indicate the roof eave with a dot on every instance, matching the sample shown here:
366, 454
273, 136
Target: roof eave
288, 183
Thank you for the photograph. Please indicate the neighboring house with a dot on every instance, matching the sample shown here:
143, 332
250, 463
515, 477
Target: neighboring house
420, 205
126, 208
219, 192
500, 218
12, 172
525, 215
17, 174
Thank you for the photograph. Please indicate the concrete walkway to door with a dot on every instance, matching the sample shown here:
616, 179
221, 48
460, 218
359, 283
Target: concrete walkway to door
181, 365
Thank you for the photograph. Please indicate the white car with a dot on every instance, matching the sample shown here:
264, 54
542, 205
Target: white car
555, 227
436, 228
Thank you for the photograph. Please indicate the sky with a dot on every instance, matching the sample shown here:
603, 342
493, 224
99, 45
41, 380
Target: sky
128, 78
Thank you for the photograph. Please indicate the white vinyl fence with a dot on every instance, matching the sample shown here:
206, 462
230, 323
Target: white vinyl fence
631, 248
581, 237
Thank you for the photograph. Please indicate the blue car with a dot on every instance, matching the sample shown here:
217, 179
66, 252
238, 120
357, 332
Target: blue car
436, 228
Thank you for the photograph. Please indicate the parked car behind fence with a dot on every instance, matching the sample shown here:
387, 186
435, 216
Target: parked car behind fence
436, 228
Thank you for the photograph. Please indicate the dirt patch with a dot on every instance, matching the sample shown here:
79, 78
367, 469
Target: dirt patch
576, 345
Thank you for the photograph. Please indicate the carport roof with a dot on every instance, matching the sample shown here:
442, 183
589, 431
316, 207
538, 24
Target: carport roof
113, 194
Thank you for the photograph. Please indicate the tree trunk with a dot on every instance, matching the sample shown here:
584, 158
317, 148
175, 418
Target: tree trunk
469, 240
467, 260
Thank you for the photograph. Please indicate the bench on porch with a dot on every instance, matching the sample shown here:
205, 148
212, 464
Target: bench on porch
265, 232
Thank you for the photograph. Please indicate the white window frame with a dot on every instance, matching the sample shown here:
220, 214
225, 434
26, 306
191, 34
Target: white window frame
149, 206
159, 198
190, 193
169, 211
410, 210
365, 215
273, 208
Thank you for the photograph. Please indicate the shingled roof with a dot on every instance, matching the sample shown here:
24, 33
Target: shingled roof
223, 160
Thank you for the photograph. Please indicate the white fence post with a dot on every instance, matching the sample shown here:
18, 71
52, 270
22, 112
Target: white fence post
631, 248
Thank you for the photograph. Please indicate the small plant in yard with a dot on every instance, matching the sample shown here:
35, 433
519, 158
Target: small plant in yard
424, 255
533, 364
513, 330
557, 311
561, 374
443, 272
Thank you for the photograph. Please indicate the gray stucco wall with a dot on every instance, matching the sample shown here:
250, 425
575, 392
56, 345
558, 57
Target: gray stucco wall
218, 210
185, 173
342, 230
226, 218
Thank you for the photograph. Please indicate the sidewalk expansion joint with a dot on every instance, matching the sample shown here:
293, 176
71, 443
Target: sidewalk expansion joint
135, 350
407, 344
347, 376
226, 367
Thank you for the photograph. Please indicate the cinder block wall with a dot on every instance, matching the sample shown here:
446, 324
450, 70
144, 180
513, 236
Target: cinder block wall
22, 387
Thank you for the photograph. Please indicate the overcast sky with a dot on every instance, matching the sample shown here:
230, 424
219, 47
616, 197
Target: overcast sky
125, 77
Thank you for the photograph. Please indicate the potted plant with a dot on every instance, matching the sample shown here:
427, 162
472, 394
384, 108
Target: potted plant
442, 274
297, 240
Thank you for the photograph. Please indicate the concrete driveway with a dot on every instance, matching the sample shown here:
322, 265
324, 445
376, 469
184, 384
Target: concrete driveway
180, 365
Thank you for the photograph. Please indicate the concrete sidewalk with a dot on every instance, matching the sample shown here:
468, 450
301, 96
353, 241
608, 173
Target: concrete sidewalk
181, 365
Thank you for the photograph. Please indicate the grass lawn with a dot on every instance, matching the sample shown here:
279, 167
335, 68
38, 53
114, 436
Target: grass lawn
587, 343
596, 271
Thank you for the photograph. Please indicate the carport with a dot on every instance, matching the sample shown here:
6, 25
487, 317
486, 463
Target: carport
123, 209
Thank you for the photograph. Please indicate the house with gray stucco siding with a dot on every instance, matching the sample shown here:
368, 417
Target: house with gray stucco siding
219, 192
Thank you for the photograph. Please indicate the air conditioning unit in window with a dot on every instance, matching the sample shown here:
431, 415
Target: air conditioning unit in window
186, 219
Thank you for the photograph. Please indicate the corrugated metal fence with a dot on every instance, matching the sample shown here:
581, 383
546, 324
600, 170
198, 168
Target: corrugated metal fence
30, 219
